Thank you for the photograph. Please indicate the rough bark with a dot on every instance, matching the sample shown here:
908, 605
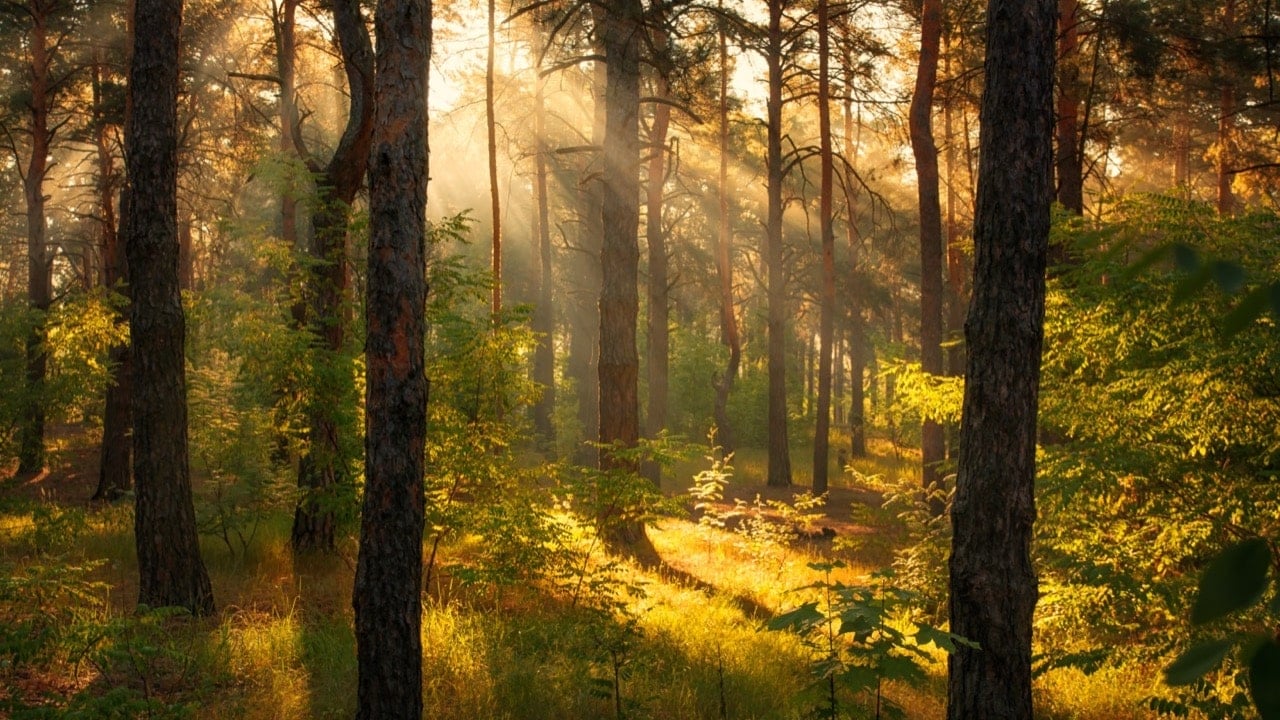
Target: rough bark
932, 439
388, 585
584, 343
170, 567
779, 473
620, 35
826, 322
992, 582
729, 335
1069, 159
39, 285
323, 469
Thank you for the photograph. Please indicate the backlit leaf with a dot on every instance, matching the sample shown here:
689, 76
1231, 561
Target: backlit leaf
1196, 661
1234, 580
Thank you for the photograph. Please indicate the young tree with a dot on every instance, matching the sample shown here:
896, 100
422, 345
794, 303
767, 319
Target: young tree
388, 586
171, 570
992, 582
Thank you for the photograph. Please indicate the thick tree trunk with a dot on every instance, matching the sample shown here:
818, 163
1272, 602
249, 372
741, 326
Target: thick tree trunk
729, 335
39, 285
779, 473
323, 469
992, 582
826, 322
1069, 159
932, 440
170, 567
114, 466
544, 315
620, 34
388, 587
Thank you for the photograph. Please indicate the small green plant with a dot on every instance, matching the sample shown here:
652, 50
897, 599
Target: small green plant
855, 644
707, 492
768, 527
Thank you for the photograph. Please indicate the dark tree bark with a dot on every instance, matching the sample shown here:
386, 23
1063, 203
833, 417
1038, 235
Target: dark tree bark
39, 285
993, 585
932, 440
114, 467
729, 335
1226, 198
1069, 159
826, 322
495, 202
323, 468
956, 265
857, 331
171, 570
388, 587
779, 473
544, 315
620, 34
659, 341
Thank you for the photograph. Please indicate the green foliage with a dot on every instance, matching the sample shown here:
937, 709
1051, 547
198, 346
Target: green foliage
856, 642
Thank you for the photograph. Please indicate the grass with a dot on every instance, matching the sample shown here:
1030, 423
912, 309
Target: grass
685, 640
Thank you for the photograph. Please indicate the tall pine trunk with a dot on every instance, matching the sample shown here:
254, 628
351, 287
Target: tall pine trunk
1226, 199
857, 326
932, 439
992, 581
544, 317
779, 473
388, 586
659, 344
1069, 158
729, 335
171, 570
495, 202
826, 323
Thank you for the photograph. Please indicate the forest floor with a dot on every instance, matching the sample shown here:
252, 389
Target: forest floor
681, 640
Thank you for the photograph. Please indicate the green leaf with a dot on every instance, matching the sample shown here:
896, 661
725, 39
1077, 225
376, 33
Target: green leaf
1196, 661
1191, 286
926, 634
1234, 580
798, 621
1229, 275
1186, 258
1275, 300
1264, 680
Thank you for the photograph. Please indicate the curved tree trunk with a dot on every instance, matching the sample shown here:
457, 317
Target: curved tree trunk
170, 567
992, 582
932, 440
323, 469
388, 587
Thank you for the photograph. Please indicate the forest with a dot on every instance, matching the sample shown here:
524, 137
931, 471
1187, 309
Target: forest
647, 359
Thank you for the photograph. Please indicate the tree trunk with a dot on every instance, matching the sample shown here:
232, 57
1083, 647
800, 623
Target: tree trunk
170, 567
992, 582
544, 317
779, 449
495, 203
1070, 159
388, 586
114, 476
955, 254
323, 469
39, 285
658, 349
932, 440
729, 335
620, 30
1226, 122
826, 322
857, 331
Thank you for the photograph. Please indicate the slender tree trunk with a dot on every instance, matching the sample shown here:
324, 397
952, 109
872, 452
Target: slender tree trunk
826, 322
779, 473
857, 326
284, 27
932, 440
323, 470
955, 254
1181, 152
729, 335
495, 202
658, 350
170, 567
1070, 172
186, 253
39, 285
544, 318
114, 476
388, 587
992, 582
